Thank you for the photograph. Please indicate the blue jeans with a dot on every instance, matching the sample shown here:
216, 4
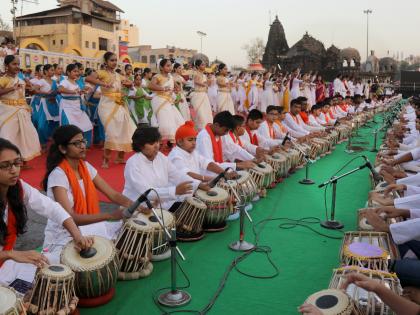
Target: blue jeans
408, 271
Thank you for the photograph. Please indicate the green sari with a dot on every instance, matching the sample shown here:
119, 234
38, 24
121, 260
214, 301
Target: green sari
143, 105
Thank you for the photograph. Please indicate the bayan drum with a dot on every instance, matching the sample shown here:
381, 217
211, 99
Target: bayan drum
160, 246
280, 165
53, 291
363, 223
294, 157
134, 247
96, 271
263, 176
367, 302
367, 249
10, 304
189, 219
217, 211
333, 302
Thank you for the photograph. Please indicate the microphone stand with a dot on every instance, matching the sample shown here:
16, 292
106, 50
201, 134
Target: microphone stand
306, 180
241, 245
173, 297
332, 223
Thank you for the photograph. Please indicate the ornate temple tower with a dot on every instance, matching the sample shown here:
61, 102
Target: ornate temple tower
277, 47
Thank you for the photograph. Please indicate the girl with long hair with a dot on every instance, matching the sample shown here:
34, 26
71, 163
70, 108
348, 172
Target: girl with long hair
224, 97
16, 197
73, 183
179, 79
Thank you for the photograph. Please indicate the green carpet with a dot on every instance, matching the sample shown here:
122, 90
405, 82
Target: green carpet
304, 258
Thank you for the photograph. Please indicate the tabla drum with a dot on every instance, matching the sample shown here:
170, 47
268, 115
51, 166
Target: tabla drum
244, 187
279, 164
367, 249
367, 302
263, 176
10, 303
294, 158
53, 291
363, 223
189, 219
96, 271
333, 302
134, 248
217, 211
160, 245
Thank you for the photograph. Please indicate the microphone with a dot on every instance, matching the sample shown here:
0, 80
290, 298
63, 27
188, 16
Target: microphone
285, 139
375, 174
128, 212
215, 180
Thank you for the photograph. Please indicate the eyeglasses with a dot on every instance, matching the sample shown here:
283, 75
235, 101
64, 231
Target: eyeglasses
7, 166
79, 143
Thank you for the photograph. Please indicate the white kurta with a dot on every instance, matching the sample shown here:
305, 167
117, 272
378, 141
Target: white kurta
188, 162
295, 125
43, 206
205, 148
408, 230
141, 174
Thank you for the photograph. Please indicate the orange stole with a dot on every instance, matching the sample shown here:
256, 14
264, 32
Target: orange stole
83, 204
216, 145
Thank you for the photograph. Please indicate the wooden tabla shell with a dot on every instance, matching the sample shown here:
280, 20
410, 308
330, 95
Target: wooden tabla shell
262, 174
367, 302
10, 304
378, 243
294, 157
333, 302
279, 163
189, 219
363, 224
217, 211
53, 291
160, 252
134, 247
94, 276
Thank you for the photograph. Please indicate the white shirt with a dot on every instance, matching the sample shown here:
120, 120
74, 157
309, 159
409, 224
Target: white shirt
291, 124
314, 122
42, 205
141, 174
408, 230
263, 142
188, 162
264, 131
233, 151
205, 148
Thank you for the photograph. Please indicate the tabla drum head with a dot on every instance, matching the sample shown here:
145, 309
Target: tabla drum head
168, 219
216, 194
364, 250
331, 302
243, 176
56, 271
140, 222
263, 168
105, 252
196, 203
8, 300
278, 157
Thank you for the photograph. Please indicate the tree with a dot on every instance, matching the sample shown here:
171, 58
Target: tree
4, 26
255, 50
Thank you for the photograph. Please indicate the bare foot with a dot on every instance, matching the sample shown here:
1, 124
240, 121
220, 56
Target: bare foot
412, 293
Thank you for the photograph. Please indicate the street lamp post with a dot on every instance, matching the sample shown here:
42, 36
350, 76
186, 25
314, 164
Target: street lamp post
201, 34
367, 12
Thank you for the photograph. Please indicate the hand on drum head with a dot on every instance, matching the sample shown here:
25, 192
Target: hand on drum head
204, 186
184, 188
84, 242
231, 175
361, 281
246, 165
377, 222
394, 187
309, 309
392, 212
29, 257
261, 152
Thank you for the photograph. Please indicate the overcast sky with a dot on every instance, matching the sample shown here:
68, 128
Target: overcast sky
229, 24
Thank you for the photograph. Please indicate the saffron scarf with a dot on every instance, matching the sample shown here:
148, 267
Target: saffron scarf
253, 138
216, 145
83, 204
236, 139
